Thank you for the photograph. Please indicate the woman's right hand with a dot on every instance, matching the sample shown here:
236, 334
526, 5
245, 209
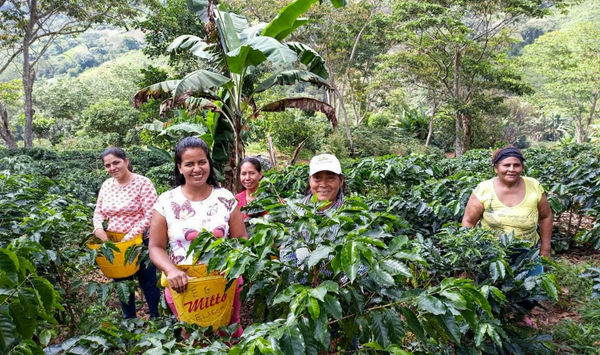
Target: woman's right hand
178, 280
101, 233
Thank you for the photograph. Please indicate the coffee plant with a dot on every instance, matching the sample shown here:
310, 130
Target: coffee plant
390, 272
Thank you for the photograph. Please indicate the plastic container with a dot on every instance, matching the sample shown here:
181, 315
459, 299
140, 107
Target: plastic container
205, 302
117, 269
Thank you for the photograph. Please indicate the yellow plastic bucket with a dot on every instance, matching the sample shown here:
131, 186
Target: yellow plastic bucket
117, 269
205, 302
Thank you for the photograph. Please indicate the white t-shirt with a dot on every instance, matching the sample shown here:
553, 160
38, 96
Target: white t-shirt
186, 218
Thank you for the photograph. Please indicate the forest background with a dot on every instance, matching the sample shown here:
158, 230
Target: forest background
390, 87
398, 83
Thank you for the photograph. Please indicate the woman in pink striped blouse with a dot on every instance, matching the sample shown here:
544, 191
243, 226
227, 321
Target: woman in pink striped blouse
126, 201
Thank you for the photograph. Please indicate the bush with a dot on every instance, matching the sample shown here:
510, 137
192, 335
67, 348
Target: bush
380, 120
162, 176
337, 144
290, 128
375, 142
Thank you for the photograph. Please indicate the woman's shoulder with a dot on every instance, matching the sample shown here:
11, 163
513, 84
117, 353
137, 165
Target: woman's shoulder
486, 184
142, 180
533, 184
108, 183
222, 192
171, 194
483, 189
241, 196
530, 180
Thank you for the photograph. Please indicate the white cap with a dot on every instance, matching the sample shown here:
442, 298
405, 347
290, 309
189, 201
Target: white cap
324, 162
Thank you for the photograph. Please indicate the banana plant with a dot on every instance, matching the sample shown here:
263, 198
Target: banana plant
235, 49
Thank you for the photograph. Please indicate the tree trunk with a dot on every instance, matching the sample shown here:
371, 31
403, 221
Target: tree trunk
466, 125
297, 153
579, 134
590, 118
29, 75
458, 146
272, 153
5, 131
346, 124
232, 177
430, 133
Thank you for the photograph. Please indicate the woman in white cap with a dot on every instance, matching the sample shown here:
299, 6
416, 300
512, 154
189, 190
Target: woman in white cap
325, 181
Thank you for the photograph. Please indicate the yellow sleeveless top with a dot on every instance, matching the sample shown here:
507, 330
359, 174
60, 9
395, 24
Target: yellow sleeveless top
522, 218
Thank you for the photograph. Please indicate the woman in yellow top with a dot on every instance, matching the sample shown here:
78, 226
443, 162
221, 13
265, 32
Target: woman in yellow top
511, 202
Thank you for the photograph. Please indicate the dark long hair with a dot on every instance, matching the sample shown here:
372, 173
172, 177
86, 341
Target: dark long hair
255, 162
117, 152
190, 143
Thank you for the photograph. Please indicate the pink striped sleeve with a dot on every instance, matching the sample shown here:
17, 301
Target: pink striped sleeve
99, 216
147, 196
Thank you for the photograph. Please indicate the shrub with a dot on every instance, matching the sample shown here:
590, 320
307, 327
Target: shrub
162, 176
380, 120
375, 142
290, 128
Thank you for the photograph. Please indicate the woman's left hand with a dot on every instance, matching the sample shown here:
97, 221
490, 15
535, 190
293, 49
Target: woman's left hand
178, 280
127, 237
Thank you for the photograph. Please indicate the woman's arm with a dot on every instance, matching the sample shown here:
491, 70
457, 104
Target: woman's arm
99, 217
237, 228
147, 199
157, 248
546, 223
473, 212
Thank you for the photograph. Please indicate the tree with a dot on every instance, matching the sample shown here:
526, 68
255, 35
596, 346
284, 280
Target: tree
568, 64
165, 23
30, 27
457, 52
237, 50
351, 40
10, 95
112, 118
64, 100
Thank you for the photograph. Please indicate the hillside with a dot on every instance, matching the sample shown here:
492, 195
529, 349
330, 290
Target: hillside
73, 55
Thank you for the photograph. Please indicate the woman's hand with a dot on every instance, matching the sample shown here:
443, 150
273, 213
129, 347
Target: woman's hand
178, 280
127, 237
100, 233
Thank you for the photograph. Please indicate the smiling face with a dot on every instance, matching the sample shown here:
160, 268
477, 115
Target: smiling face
194, 167
509, 170
250, 177
115, 166
326, 185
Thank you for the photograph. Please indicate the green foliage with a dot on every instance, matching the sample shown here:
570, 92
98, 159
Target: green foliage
387, 270
380, 120
578, 338
291, 128
414, 123
113, 120
166, 22
162, 176
375, 142
374, 284
337, 144
27, 301
568, 85
236, 49
452, 55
